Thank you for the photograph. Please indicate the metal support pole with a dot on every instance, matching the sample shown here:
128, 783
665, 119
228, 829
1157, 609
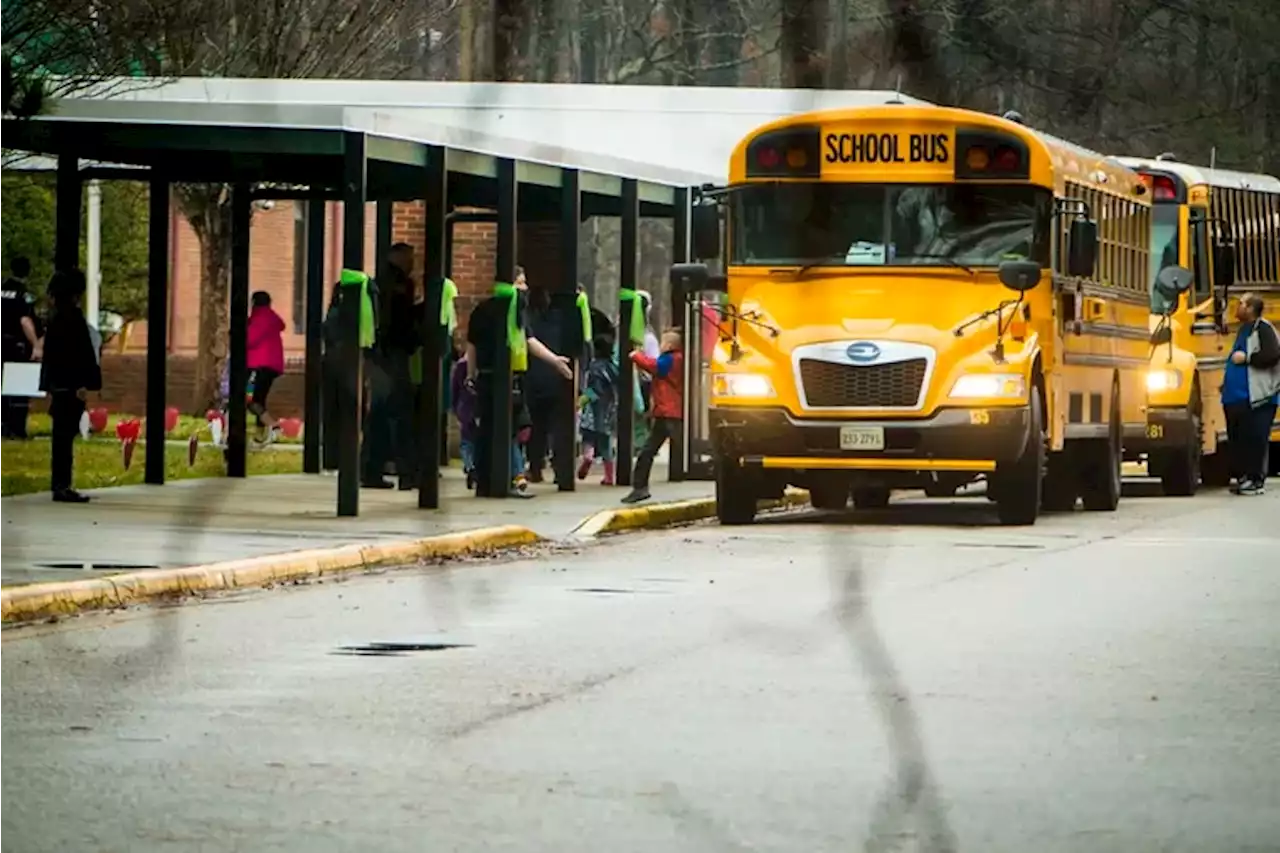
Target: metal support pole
237, 427
565, 420
157, 326
430, 401
350, 357
66, 245
93, 255
383, 230
692, 324
626, 368
313, 406
494, 474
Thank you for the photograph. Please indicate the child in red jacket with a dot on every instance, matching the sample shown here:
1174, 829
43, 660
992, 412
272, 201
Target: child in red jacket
667, 393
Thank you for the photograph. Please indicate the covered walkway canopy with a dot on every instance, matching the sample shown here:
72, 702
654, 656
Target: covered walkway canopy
526, 151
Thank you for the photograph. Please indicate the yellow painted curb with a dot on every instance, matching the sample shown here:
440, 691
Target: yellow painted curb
655, 516
37, 601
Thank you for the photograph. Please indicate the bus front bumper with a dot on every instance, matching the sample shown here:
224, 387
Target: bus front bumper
958, 440
1166, 428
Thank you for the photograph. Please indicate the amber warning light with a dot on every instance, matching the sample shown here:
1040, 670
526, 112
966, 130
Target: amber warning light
792, 153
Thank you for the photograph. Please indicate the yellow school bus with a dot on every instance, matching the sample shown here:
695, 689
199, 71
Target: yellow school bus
922, 297
1225, 228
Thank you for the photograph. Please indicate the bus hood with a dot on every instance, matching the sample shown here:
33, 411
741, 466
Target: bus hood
902, 307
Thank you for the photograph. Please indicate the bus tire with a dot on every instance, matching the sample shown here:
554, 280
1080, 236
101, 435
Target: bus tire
1179, 469
735, 493
1020, 483
1100, 480
1273, 466
829, 495
871, 497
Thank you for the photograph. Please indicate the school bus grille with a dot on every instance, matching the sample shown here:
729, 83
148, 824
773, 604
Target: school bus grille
895, 385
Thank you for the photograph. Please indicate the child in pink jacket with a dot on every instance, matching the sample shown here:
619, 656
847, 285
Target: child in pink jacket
265, 360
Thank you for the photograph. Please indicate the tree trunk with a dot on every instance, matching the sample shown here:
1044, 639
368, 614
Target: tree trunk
800, 45
208, 209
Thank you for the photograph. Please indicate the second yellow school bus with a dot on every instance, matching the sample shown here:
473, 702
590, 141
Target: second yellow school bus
1223, 226
920, 297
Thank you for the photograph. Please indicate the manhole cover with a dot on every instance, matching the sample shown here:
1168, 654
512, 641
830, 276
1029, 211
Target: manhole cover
397, 649
98, 567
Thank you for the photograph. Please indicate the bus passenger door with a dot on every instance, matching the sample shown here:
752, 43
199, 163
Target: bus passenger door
702, 313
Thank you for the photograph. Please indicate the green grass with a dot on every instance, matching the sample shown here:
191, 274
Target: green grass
24, 465
41, 425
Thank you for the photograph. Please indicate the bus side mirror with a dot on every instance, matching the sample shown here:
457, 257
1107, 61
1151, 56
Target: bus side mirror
1082, 248
696, 278
1162, 335
705, 231
1019, 276
1174, 280
1224, 266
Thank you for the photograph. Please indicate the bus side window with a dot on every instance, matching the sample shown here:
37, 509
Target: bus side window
1203, 282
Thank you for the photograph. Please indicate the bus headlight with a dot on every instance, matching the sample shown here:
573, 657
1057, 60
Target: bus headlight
742, 385
1163, 380
990, 386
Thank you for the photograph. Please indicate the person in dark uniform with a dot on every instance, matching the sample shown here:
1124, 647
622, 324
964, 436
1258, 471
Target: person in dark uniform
485, 330
544, 386
389, 429
69, 371
22, 342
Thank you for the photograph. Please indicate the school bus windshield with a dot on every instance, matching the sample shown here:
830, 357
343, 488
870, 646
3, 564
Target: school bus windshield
848, 224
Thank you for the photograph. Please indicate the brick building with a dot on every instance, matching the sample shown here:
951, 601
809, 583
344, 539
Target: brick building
278, 266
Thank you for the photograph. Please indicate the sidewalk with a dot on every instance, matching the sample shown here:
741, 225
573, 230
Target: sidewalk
193, 522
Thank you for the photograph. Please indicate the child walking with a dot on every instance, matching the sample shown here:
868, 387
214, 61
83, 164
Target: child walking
265, 360
667, 371
462, 398
599, 405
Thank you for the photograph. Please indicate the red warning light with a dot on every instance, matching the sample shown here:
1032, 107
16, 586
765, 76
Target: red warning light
768, 158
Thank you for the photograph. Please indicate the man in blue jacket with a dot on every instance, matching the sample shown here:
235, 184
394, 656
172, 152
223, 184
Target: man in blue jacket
1250, 392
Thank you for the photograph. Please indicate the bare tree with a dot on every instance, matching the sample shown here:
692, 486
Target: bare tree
275, 38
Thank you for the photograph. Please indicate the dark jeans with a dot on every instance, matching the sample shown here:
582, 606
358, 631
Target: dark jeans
1248, 436
65, 409
376, 438
663, 429
542, 412
330, 399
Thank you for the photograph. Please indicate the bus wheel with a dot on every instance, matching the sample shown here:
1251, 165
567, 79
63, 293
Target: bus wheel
829, 494
735, 493
1019, 483
1061, 487
1100, 481
871, 497
1273, 465
1179, 470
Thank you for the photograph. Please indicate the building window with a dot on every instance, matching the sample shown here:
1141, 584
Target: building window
299, 268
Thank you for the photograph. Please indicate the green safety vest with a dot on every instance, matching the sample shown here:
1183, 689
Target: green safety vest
626, 294
353, 278
584, 311
516, 338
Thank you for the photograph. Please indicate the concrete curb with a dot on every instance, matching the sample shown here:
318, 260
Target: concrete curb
64, 598
656, 516
38, 601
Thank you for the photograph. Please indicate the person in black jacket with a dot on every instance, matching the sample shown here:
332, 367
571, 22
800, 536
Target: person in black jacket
69, 371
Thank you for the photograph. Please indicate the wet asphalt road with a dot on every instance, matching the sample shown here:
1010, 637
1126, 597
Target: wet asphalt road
907, 680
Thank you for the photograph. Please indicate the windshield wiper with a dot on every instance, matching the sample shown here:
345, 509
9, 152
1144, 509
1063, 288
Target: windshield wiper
951, 262
809, 263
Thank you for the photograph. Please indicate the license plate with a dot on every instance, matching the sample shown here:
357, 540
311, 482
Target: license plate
861, 438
